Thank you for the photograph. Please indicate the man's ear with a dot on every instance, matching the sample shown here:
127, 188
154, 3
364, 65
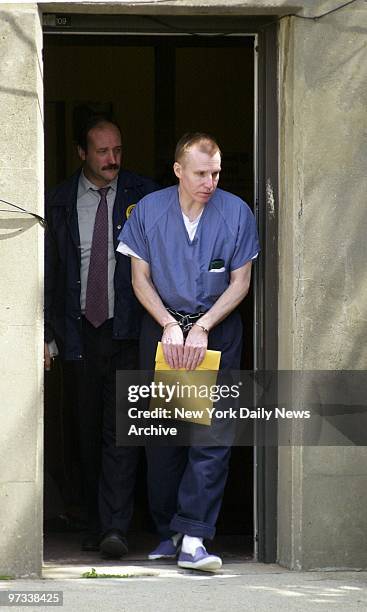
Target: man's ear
177, 169
81, 153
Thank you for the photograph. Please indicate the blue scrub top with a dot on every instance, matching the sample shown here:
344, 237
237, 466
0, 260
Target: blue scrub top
180, 268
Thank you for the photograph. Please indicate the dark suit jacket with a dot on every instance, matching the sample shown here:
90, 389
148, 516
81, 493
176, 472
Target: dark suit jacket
62, 265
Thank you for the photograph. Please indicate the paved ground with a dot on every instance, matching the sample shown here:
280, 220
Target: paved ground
239, 586
161, 587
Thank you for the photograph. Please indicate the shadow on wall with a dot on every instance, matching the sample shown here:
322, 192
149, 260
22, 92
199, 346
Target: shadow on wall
13, 227
329, 243
5, 17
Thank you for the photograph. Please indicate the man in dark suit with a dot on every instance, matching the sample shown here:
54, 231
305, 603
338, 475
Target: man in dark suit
93, 317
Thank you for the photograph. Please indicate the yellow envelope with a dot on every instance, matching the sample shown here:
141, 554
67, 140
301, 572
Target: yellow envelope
192, 408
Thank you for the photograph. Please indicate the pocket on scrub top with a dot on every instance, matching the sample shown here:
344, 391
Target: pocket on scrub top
215, 283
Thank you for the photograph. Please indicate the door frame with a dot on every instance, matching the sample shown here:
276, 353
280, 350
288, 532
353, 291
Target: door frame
266, 201
266, 285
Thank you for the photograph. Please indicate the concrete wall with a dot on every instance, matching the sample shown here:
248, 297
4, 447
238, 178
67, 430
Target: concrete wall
21, 256
322, 273
322, 229
187, 7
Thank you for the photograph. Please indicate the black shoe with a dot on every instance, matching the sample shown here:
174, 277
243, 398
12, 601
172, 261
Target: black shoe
90, 542
113, 544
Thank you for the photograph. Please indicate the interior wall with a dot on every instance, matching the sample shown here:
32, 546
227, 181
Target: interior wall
203, 81
103, 74
215, 93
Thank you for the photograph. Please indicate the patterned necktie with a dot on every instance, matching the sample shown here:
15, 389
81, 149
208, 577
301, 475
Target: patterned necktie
96, 306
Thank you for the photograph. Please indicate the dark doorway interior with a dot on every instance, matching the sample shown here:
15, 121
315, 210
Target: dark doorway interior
158, 87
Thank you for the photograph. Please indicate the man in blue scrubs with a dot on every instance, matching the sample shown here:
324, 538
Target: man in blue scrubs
192, 247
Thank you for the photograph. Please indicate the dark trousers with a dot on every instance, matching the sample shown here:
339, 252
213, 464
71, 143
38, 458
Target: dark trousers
108, 471
186, 484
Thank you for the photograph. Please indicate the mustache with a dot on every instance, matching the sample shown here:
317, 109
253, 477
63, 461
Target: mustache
111, 167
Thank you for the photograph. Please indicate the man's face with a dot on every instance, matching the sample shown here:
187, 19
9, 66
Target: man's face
198, 173
102, 159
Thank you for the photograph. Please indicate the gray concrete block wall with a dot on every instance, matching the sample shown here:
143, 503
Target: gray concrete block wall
21, 295
322, 299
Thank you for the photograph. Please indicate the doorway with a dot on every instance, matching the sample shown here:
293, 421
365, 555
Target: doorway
157, 87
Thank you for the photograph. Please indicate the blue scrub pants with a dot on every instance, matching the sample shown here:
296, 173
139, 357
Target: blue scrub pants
186, 484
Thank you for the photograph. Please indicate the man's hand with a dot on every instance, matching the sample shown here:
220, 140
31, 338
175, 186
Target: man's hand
172, 338
173, 346
47, 358
195, 348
